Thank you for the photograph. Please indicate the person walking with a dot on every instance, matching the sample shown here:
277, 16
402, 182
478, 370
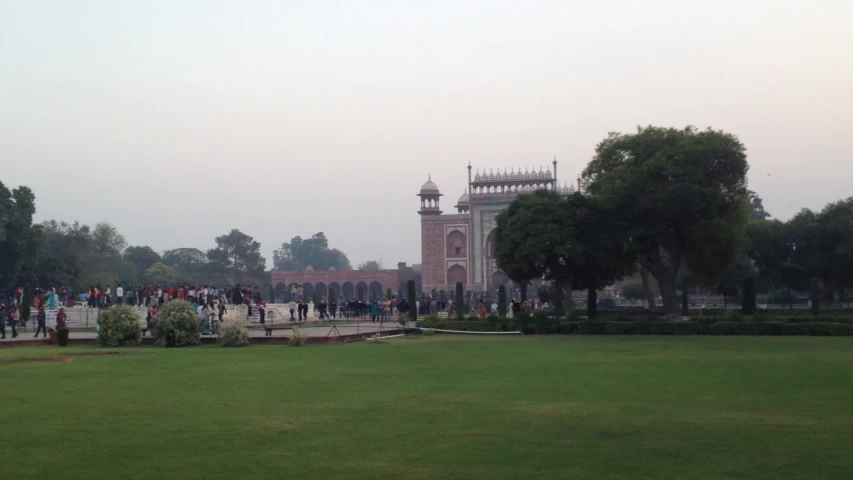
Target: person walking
3, 316
374, 310
222, 309
42, 322
482, 309
262, 310
292, 306
51, 299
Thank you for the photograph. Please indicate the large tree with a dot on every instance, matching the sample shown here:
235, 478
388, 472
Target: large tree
530, 241
82, 256
19, 238
186, 260
597, 249
300, 253
683, 191
755, 207
238, 253
822, 243
141, 257
369, 265
161, 274
108, 241
836, 220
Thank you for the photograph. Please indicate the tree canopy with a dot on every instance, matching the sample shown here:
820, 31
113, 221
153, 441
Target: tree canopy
238, 254
299, 253
682, 191
597, 251
530, 241
19, 238
369, 265
141, 257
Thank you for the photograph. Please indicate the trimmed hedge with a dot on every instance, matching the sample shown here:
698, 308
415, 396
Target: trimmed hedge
568, 326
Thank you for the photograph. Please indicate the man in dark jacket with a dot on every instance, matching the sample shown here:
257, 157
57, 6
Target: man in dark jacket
2, 320
42, 321
237, 296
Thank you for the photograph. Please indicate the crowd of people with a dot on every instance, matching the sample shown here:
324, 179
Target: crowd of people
11, 316
142, 295
430, 306
211, 304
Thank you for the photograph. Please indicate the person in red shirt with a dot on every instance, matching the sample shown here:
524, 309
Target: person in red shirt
262, 309
181, 294
61, 319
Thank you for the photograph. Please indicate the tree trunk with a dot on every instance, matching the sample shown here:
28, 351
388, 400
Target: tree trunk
668, 296
647, 291
725, 302
685, 311
592, 303
523, 292
814, 286
790, 298
749, 300
558, 298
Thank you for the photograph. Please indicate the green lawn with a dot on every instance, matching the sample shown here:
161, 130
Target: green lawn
437, 408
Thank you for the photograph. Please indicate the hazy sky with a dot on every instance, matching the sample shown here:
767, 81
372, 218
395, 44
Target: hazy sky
180, 120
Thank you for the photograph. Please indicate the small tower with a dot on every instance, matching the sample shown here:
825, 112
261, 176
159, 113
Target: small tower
430, 198
463, 205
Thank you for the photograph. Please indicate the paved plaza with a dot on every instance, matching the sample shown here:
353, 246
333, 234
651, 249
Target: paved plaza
280, 330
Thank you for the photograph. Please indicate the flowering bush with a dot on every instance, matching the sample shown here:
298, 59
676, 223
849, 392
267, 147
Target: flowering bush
119, 326
178, 325
233, 334
297, 338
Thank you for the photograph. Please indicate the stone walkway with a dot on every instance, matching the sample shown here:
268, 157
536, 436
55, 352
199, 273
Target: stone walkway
311, 331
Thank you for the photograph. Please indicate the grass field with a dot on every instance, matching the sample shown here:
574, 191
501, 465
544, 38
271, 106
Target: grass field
436, 408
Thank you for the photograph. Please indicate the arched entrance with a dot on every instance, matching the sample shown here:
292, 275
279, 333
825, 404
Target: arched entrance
361, 291
456, 274
456, 245
307, 292
320, 290
348, 290
281, 292
375, 290
335, 288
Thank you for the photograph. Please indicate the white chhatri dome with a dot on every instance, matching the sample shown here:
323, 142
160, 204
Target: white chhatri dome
429, 187
463, 200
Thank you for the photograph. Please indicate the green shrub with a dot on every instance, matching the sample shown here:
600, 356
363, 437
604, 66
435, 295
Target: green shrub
119, 326
234, 334
178, 325
298, 338
716, 325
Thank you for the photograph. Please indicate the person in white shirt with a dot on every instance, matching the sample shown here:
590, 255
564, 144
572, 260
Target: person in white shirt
494, 307
292, 306
119, 294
